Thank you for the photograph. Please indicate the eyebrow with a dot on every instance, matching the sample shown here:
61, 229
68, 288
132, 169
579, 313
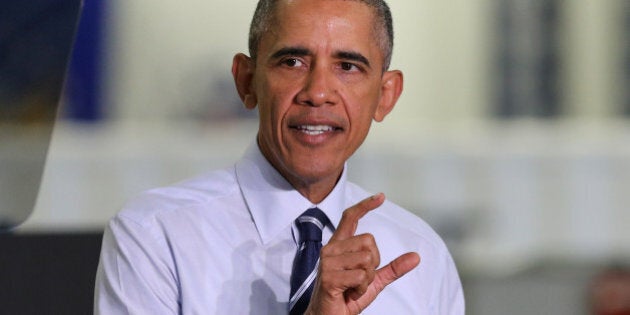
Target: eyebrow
291, 51
353, 56
303, 51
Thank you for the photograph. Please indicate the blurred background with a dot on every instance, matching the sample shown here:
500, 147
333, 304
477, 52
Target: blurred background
511, 137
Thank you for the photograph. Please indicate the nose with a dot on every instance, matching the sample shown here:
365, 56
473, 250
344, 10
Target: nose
319, 88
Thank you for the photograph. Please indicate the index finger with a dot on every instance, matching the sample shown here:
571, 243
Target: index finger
350, 219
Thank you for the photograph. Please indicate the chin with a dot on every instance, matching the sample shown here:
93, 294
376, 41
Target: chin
311, 173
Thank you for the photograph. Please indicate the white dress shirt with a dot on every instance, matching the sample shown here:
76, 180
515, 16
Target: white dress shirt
223, 243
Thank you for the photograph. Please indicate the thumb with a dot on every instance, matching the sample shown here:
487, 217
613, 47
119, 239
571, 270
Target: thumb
395, 269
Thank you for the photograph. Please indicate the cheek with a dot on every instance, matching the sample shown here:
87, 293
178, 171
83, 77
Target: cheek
278, 91
272, 108
362, 109
280, 96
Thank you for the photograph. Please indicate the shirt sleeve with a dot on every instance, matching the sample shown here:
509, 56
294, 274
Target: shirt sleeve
136, 272
450, 295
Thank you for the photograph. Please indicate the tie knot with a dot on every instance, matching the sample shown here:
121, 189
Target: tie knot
310, 224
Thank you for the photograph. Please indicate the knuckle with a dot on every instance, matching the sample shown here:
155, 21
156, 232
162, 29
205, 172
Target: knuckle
366, 259
377, 260
348, 214
370, 238
326, 251
371, 262
362, 276
367, 239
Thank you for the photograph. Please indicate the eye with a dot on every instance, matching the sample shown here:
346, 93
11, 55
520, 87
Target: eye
292, 62
347, 66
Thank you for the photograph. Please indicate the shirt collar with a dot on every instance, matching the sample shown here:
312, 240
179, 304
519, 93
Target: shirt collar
273, 203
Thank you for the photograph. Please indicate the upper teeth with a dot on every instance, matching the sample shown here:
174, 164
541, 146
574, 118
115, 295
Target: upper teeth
318, 129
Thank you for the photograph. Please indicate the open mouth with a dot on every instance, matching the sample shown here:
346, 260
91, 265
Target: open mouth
314, 130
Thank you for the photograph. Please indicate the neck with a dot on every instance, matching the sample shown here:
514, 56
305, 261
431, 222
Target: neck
314, 188
315, 191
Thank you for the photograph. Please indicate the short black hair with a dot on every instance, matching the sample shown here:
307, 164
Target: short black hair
264, 14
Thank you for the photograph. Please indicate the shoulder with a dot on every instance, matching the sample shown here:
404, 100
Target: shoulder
396, 221
199, 191
434, 286
397, 230
152, 235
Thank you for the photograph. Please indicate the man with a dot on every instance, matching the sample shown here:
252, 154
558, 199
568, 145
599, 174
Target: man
226, 242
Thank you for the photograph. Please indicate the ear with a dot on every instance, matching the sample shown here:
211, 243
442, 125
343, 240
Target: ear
391, 87
243, 73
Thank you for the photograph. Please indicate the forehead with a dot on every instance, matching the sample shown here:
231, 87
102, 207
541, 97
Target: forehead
337, 24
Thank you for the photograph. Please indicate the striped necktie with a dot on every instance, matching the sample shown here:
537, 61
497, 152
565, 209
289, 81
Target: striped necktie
310, 225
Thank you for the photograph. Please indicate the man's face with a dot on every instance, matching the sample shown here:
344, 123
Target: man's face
318, 83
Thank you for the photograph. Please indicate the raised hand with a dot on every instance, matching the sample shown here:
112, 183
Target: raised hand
348, 281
